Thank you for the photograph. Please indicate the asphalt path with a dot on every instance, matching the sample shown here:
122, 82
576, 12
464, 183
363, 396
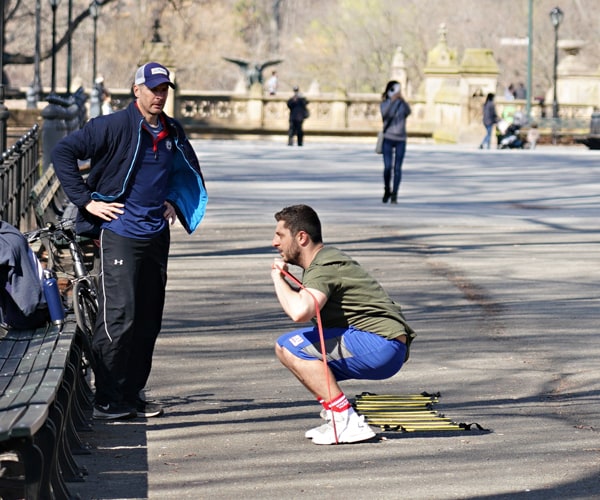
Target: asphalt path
494, 256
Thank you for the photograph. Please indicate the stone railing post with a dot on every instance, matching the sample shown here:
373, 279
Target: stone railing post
255, 106
339, 110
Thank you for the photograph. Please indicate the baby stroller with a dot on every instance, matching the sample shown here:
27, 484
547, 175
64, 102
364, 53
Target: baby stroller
511, 138
509, 134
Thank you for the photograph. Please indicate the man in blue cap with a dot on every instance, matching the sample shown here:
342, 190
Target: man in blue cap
143, 175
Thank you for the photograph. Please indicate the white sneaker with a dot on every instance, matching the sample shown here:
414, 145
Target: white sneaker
351, 429
325, 415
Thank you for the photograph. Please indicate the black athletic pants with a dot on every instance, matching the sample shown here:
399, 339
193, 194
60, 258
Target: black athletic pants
132, 296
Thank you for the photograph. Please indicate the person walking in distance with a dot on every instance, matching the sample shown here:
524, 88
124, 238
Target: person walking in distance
490, 118
297, 104
364, 330
272, 83
144, 174
394, 111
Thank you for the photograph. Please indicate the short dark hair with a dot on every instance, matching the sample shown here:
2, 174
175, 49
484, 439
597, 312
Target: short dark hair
301, 218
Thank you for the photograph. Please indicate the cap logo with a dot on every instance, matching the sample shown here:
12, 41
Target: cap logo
159, 71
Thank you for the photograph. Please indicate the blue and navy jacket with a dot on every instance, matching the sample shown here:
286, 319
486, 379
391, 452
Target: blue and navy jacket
111, 143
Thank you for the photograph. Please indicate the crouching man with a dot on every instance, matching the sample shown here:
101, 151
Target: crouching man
366, 335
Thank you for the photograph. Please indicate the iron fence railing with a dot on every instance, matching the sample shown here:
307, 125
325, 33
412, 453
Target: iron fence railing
19, 170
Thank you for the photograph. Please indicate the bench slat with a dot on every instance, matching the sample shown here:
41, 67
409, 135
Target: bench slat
30, 372
14, 348
7, 370
7, 420
43, 181
30, 421
48, 198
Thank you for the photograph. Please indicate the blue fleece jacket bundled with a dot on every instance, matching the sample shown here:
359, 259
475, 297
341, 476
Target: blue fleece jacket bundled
22, 302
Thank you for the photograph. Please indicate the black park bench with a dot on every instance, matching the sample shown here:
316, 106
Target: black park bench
51, 205
44, 403
48, 198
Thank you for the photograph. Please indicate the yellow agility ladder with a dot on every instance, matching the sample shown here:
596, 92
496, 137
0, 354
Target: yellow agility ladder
407, 413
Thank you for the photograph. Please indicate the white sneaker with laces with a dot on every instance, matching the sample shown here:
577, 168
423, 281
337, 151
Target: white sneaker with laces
350, 429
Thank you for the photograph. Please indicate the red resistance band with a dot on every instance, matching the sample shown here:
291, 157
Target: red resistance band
321, 340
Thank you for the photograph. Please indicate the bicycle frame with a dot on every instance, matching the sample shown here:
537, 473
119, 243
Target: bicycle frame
83, 284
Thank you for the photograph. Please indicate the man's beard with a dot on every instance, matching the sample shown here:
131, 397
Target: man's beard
293, 256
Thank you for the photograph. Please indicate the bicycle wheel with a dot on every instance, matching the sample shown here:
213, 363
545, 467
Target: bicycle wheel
85, 307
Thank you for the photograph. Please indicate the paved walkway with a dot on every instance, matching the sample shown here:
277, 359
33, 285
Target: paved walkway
494, 256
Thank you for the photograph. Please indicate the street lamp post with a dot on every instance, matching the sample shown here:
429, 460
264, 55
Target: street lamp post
3, 109
54, 5
529, 57
37, 83
69, 47
95, 104
556, 16
94, 12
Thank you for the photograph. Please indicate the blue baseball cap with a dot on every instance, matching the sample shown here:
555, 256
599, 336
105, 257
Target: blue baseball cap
152, 75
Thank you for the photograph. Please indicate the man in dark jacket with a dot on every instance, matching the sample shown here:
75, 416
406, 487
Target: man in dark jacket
298, 113
143, 175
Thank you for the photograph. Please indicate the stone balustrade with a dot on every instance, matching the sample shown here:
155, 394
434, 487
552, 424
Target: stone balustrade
221, 113
214, 113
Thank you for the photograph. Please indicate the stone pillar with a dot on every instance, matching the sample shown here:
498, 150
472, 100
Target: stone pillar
479, 76
577, 84
441, 70
255, 105
399, 73
339, 110
453, 92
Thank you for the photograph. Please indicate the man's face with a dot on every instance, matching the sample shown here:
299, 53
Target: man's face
151, 101
286, 244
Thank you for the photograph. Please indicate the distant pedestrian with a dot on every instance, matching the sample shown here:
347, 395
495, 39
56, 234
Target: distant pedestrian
509, 93
272, 83
297, 105
490, 118
103, 95
521, 92
533, 135
394, 111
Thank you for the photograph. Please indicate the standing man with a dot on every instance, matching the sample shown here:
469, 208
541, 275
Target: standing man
143, 175
365, 333
298, 113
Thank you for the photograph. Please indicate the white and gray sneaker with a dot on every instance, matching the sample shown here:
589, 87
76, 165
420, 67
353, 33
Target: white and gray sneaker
350, 429
325, 415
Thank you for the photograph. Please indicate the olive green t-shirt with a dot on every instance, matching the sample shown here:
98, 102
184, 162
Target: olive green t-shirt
353, 296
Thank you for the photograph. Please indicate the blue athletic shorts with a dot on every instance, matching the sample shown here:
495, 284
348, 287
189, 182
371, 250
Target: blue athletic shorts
351, 353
